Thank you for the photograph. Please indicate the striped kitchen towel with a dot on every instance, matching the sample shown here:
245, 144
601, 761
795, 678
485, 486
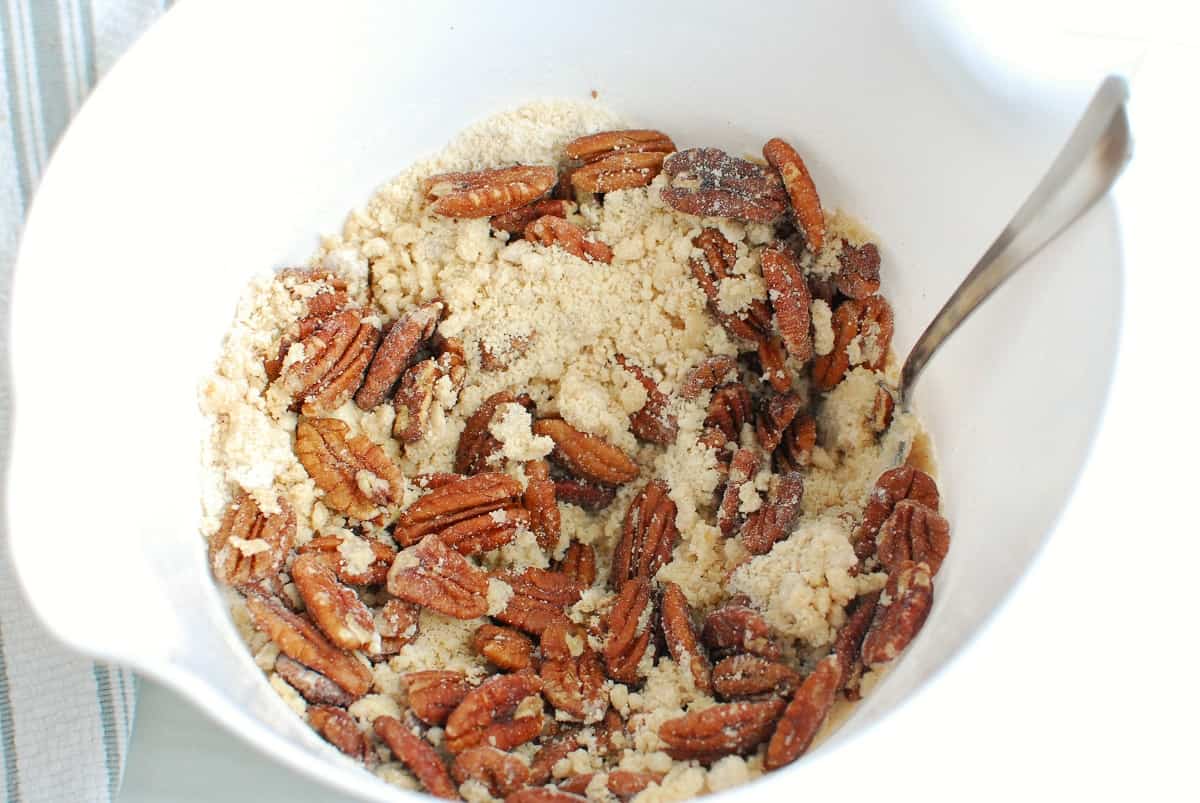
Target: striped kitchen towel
64, 720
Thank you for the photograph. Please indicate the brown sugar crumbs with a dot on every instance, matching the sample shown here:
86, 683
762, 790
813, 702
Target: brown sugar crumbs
564, 471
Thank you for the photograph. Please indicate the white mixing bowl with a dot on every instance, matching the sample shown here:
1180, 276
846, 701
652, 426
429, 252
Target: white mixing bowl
235, 132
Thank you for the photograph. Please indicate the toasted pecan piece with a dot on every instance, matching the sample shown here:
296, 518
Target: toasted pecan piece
736, 627
476, 444
539, 598
729, 408
893, 486
624, 784
335, 608
313, 686
542, 502
329, 547
913, 532
742, 468
805, 714
720, 730
484, 193
517, 220
579, 563
436, 577
680, 635
858, 272
336, 356
357, 476
434, 693
848, 644
551, 231
716, 263
250, 546
543, 794
502, 773
603, 144
462, 499
774, 520
618, 171
803, 195
508, 649
791, 299
707, 374
628, 626
493, 713
747, 675
340, 730
585, 455
398, 623
869, 322
396, 351
648, 535
710, 183
901, 613
572, 675
584, 494
652, 422
418, 755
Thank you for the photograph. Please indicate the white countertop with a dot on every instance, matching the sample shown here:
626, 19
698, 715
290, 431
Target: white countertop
1082, 686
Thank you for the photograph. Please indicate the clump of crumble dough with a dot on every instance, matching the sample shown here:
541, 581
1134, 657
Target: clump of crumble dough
556, 323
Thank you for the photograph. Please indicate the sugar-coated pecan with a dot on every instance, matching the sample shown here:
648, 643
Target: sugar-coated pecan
880, 417
436, 577
485, 193
418, 755
313, 686
774, 417
648, 535
791, 300
572, 676
774, 520
805, 714
900, 614
551, 231
736, 627
707, 374
591, 147
414, 400
584, 494
716, 263
335, 608
464, 498
858, 274
476, 444
894, 485
747, 675
539, 598
652, 423
299, 640
710, 183
728, 410
680, 635
514, 222
396, 351
340, 730
848, 644
397, 623
720, 730
358, 478
485, 532
772, 361
913, 532
579, 563
330, 292
434, 693
866, 324
742, 468
502, 773
803, 195
624, 784
492, 714
619, 171
796, 448
250, 545
543, 794
330, 548
541, 768
335, 358
584, 455
508, 649
629, 630
542, 503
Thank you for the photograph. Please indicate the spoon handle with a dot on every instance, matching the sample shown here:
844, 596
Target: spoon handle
1084, 169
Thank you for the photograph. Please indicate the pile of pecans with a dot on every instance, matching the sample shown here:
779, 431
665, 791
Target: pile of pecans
552, 676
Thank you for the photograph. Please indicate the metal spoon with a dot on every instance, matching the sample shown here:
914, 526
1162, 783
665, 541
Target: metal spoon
1089, 163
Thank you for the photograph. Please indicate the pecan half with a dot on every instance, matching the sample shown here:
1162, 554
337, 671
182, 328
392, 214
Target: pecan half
805, 714
742, 469
881, 411
539, 598
572, 683
330, 295
336, 356
867, 322
749, 676
848, 644
584, 455
628, 625
680, 636
710, 183
329, 548
508, 649
720, 730
796, 449
502, 773
543, 794
773, 362
893, 486
790, 298
340, 730
580, 564
464, 498
435, 576
620, 171
541, 768
648, 535
414, 400
418, 755
313, 686
584, 494
774, 520
728, 410
484, 193
652, 422
357, 477
492, 714
913, 532
593, 147
805, 203
719, 256
736, 627
336, 609
551, 231
395, 353
542, 503
624, 784
517, 220
485, 532
476, 444
901, 613
250, 546
397, 624
774, 417
858, 274
504, 347
434, 693
708, 373
299, 640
